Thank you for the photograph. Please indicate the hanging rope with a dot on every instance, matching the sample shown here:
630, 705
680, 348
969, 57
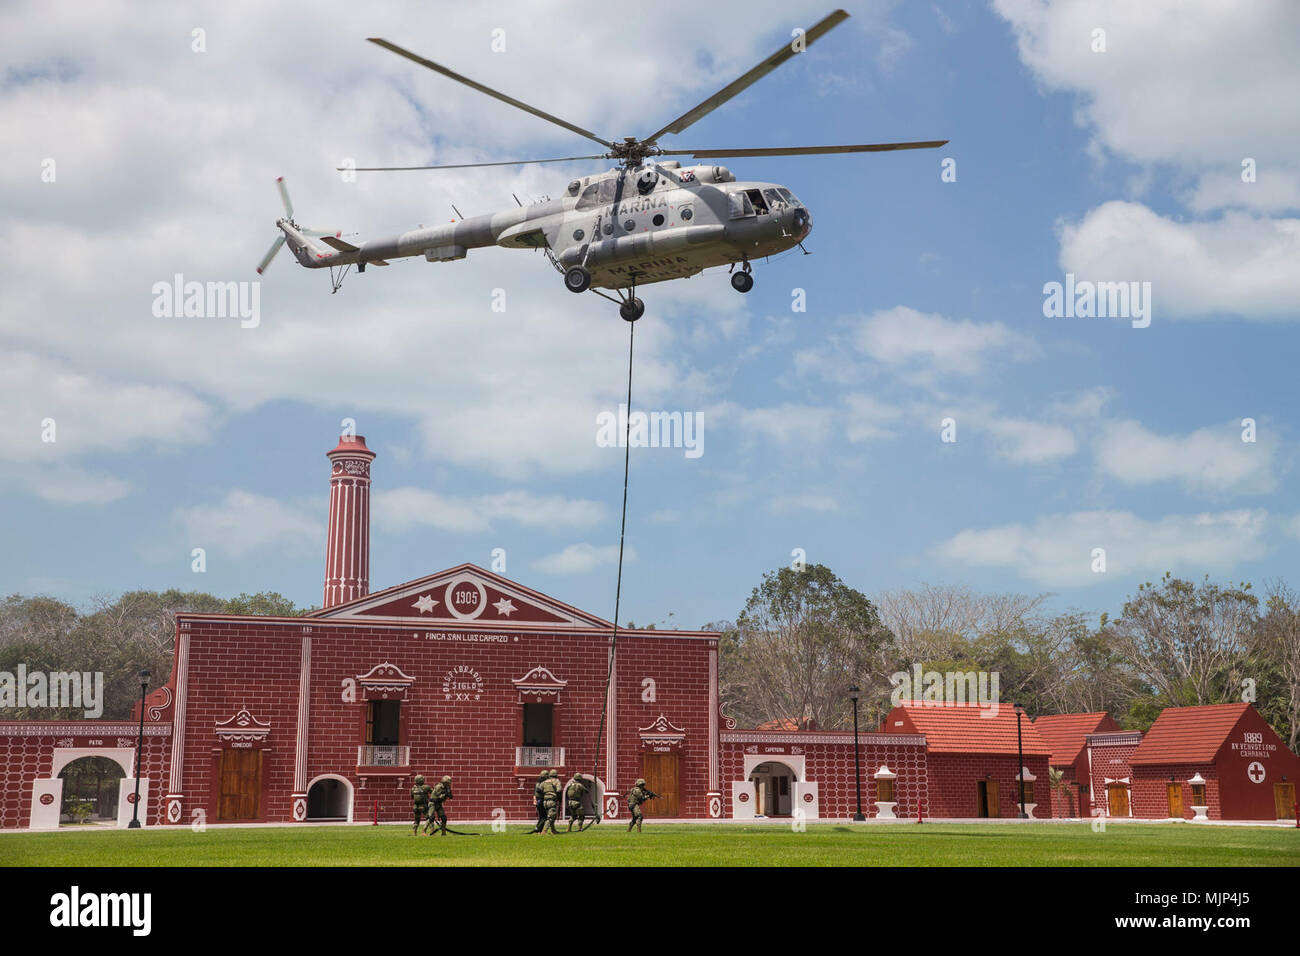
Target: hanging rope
618, 588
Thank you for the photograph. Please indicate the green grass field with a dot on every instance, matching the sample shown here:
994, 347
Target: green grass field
668, 845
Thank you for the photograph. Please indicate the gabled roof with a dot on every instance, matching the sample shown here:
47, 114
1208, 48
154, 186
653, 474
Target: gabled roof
1067, 734
459, 595
1188, 734
965, 728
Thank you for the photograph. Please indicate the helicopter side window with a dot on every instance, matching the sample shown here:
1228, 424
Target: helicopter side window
756, 197
787, 196
773, 197
590, 197
739, 205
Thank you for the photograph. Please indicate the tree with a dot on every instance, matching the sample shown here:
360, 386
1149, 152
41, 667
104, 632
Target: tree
803, 638
1190, 643
1279, 632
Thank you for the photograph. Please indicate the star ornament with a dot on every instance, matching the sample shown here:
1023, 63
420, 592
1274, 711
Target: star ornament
505, 607
425, 604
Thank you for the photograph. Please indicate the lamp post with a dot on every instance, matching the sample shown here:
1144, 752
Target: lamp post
139, 752
1020, 760
854, 691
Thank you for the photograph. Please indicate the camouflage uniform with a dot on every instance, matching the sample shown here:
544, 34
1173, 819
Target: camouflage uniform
573, 794
419, 802
440, 793
635, 797
551, 799
537, 799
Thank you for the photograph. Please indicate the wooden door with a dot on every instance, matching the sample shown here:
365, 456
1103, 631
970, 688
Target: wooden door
660, 772
1284, 798
1117, 800
1175, 791
995, 808
241, 785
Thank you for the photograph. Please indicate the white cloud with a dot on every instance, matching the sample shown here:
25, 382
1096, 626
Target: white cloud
1196, 85
1032, 443
244, 522
69, 484
1238, 264
582, 558
1207, 460
803, 501
404, 509
90, 413
904, 337
867, 418
1057, 550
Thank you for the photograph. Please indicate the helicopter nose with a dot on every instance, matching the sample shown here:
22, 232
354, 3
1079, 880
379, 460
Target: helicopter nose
802, 221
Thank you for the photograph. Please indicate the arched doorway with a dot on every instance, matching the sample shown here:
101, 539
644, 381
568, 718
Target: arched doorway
773, 783
90, 789
592, 800
329, 798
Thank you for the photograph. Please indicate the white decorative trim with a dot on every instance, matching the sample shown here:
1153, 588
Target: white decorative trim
715, 805
611, 725
797, 737
541, 681
124, 757
458, 581
155, 710
242, 726
352, 794
714, 773
87, 728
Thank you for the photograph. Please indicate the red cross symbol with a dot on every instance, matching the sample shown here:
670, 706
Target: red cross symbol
1255, 771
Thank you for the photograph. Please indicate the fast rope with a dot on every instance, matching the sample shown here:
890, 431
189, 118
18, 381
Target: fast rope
618, 588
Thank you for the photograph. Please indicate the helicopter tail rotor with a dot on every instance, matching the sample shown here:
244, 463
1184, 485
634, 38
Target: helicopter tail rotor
290, 230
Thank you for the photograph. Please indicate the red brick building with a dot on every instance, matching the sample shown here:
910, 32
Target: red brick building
465, 672
971, 758
1066, 735
1217, 762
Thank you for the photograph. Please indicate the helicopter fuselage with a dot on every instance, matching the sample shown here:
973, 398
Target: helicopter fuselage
626, 227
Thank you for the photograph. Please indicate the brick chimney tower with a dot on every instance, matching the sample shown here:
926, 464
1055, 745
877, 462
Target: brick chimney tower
347, 549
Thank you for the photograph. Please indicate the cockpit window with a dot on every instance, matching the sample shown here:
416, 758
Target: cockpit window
772, 197
740, 206
787, 196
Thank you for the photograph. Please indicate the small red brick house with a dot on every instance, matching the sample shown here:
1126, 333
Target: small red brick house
1110, 774
1067, 735
1217, 762
971, 758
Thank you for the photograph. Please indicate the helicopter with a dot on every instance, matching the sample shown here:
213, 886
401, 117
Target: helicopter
646, 220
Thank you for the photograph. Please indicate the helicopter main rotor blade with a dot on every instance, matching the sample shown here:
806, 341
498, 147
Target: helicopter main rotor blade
802, 150
438, 68
512, 162
786, 52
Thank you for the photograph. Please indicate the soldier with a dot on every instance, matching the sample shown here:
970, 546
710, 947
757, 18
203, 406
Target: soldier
439, 795
551, 801
537, 799
419, 802
573, 794
638, 795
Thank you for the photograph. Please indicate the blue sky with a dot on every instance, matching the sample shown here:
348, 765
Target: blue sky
821, 428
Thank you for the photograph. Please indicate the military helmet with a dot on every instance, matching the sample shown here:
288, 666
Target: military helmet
641, 782
446, 779
419, 778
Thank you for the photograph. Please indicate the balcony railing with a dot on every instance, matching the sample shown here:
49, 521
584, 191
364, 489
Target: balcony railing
539, 756
383, 755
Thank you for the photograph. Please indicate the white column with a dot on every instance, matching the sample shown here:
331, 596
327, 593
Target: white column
611, 728
713, 718
304, 701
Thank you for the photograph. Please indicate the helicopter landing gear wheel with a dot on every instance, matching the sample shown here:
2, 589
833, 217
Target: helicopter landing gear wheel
631, 309
577, 279
742, 281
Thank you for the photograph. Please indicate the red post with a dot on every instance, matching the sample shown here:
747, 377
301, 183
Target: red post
376, 823
1296, 808
918, 810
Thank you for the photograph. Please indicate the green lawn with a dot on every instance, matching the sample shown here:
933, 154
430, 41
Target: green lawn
668, 845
